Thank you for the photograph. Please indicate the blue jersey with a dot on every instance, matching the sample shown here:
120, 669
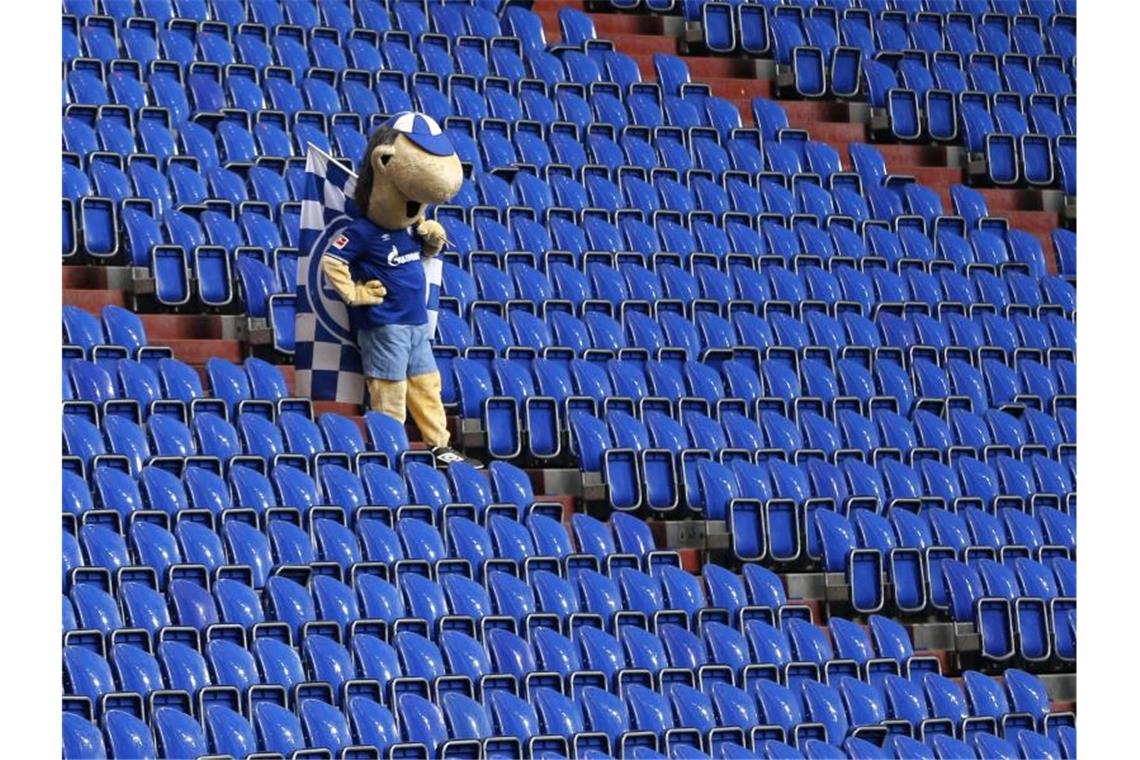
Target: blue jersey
392, 257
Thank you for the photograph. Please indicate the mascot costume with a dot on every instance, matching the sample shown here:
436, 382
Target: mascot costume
375, 265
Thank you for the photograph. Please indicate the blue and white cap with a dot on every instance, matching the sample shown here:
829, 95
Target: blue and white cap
423, 130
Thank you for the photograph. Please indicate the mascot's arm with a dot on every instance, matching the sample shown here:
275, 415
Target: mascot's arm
370, 293
432, 237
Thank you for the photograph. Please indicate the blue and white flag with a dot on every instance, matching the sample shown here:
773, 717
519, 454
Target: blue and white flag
328, 366
433, 273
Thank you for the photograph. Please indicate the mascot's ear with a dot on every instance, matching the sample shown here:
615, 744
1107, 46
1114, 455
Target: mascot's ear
381, 155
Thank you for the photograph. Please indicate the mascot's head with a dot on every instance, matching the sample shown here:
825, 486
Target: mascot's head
408, 164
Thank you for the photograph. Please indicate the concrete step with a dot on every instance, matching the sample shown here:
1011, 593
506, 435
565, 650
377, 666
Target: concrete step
93, 300
1041, 223
937, 178
336, 407
79, 277
837, 134
643, 44
741, 92
701, 68
816, 111
165, 327
196, 352
1005, 199
913, 155
609, 25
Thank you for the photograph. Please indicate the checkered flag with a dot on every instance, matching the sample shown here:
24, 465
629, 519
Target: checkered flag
328, 366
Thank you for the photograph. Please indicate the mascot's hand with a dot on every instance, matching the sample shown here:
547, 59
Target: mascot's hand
370, 293
432, 235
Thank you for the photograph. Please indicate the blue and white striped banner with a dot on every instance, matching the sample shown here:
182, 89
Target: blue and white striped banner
328, 366
433, 272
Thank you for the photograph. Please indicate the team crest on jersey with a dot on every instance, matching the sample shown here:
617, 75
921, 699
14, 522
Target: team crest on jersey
340, 242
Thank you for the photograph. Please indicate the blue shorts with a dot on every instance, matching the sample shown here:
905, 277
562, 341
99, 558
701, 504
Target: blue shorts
396, 352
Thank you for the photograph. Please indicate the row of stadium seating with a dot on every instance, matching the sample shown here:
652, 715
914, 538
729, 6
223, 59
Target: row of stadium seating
666, 289
412, 655
454, 716
478, 18
759, 524
865, 461
978, 76
791, 179
1045, 10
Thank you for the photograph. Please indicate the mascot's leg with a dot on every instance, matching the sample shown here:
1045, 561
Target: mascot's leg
425, 402
426, 406
388, 397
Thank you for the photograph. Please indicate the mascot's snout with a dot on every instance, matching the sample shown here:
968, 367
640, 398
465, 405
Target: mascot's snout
421, 177
408, 165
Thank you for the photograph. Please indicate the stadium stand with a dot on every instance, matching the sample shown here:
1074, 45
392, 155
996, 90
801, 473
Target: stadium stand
763, 314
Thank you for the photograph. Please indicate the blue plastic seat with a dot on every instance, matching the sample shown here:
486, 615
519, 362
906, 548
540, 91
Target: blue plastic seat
279, 728
81, 738
717, 19
127, 734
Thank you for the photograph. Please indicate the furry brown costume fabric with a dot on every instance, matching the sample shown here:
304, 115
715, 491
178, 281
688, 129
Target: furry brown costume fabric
397, 181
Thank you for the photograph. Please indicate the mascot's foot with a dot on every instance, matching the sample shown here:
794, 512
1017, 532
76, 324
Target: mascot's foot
447, 456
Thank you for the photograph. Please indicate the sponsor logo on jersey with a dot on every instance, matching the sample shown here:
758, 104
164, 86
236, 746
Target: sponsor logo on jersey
395, 258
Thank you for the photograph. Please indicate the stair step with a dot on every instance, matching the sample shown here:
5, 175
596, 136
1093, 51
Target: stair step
608, 25
1037, 222
644, 44
1007, 199
84, 277
165, 327
835, 133
914, 155
701, 68
93, 300
196, 352
337, 407
816, 111
741, 91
